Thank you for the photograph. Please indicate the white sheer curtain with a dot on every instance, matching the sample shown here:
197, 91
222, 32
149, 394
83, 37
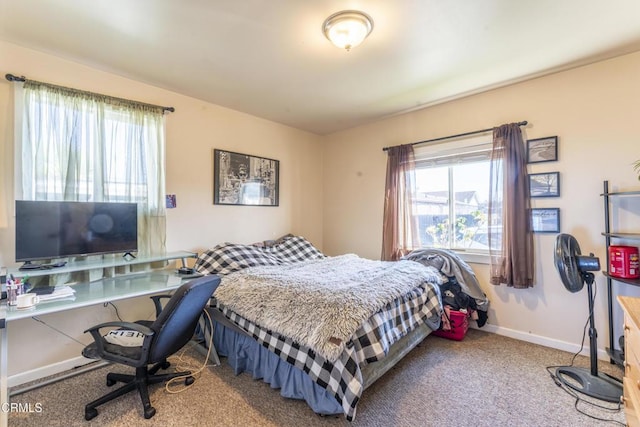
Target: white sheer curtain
82, 146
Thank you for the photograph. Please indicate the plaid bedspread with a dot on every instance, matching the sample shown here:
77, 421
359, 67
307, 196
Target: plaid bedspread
370, 343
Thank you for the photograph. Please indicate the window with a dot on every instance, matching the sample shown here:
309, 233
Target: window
79, 146
452, 184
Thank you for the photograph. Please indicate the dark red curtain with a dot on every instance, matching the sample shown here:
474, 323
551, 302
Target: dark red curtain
399, 225
509, 211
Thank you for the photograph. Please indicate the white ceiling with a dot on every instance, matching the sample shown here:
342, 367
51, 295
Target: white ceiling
270, 59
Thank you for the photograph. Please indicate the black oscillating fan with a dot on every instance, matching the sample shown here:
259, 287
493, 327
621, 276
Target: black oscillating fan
575, 270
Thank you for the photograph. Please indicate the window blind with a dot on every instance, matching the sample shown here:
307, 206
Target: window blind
454, 152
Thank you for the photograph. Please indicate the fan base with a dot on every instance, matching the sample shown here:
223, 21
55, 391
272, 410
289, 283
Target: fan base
602, 387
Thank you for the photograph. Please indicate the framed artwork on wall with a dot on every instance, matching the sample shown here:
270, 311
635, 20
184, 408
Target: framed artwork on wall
245, 180
544, 184
545, 220
542, 149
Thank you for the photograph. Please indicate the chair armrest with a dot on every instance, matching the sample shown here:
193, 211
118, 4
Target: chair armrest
156, 302
99, 340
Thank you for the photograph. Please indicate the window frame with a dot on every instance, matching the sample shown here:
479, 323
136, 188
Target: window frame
137, 121
449, 154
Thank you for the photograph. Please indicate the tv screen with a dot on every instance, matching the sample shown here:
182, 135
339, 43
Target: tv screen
46, 229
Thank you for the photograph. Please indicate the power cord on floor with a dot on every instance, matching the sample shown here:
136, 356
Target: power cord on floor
573, 393
182, 365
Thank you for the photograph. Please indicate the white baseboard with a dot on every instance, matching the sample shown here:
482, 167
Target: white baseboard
45, 371
544, 341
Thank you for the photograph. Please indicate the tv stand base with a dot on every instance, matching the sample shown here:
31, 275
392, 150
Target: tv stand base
30, 266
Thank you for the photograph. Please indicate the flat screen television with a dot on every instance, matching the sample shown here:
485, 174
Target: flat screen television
48, 229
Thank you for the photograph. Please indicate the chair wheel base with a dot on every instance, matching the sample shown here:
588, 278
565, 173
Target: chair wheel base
189, 380
149, 412
90, 413
110, 383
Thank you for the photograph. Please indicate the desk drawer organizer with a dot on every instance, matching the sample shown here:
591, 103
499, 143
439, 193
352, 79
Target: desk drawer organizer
459, 324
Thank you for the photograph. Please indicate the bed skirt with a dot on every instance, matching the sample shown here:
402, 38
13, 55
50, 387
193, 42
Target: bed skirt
244, 354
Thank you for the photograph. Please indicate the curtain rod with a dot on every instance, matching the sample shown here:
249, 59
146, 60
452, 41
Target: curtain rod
524, 123
13, 78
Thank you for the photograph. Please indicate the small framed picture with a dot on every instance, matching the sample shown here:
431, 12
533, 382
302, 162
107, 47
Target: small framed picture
542, 149
544, 184
545, 220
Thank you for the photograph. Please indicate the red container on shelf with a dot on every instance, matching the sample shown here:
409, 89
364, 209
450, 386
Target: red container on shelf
459, 324
623, 262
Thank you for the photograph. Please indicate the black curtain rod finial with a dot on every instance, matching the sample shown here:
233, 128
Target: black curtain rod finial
13, 78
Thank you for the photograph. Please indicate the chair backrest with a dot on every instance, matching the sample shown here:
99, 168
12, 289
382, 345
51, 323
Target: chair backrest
177, 321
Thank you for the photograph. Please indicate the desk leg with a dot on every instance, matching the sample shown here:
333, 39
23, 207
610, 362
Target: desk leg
213, 355
214, 352
4, 389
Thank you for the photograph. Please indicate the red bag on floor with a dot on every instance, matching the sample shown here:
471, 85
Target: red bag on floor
459, 322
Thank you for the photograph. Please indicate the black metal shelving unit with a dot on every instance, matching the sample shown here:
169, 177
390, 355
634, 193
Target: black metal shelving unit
616, 355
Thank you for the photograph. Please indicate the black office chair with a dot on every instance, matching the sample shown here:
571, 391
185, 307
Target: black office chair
173, 328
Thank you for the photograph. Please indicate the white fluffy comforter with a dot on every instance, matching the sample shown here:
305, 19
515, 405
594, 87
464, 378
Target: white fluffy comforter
320, 303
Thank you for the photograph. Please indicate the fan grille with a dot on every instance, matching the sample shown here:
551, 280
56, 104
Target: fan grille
566, 251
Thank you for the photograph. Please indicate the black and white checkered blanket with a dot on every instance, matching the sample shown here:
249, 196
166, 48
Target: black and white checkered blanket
229, 257
370, 343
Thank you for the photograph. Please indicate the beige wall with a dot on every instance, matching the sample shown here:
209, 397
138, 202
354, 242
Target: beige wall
337, 202
594, 110
193, 131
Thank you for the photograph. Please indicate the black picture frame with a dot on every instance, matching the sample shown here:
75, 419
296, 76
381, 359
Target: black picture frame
545, 184
542, 149
545, 220
245, 180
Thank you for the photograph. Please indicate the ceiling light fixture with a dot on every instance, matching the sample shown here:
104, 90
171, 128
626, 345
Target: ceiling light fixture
348, 28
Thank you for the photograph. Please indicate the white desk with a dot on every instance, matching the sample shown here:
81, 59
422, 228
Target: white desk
99, 292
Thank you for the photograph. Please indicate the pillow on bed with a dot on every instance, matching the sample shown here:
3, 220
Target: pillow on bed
229, 257
270, 243
293, 249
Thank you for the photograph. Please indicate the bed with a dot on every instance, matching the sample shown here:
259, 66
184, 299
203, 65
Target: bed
318, 328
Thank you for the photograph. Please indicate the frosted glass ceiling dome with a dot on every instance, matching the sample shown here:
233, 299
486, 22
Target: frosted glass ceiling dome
347, 28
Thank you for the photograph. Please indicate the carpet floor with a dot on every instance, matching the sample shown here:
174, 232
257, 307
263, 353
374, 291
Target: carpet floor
484, 380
